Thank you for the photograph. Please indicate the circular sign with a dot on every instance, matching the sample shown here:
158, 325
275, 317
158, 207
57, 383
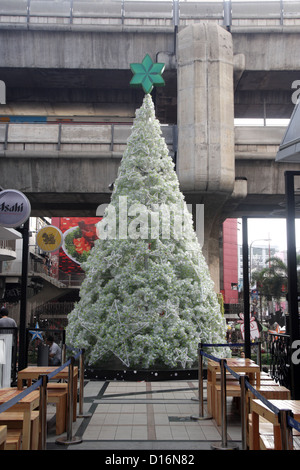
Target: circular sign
49, 238
15, 208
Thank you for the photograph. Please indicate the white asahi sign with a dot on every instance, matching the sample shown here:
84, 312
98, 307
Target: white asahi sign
15, 208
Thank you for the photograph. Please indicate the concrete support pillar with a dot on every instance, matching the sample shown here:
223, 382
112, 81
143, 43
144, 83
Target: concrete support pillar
205, 160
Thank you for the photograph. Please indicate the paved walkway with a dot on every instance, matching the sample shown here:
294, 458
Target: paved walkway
144, 416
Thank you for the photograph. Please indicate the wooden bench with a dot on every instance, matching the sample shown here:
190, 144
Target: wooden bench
266, 435
59, 387
267, 442
265, 379
14, 420
265, 428
277, 392
211, 402
13, 440
3, 436
59, 397
234, 390
269, 382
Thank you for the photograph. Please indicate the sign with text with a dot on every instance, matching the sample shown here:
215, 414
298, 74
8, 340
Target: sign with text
15, 208
49, 238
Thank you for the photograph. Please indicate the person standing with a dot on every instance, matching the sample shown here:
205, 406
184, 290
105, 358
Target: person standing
8, 326
5, 320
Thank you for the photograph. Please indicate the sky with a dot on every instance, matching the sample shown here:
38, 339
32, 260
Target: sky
273, 229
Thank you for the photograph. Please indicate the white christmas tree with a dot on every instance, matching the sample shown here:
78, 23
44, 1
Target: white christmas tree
147, 297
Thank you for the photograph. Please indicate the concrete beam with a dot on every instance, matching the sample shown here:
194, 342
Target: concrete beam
109, 50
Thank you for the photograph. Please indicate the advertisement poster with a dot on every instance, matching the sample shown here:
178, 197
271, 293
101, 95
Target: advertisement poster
79, 235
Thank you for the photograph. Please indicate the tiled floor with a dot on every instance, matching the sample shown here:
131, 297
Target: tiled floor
145, 415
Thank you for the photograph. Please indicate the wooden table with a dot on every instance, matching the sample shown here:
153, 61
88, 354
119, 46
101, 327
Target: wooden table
259, 409
33, 373
3, 436
238, 365
25, 405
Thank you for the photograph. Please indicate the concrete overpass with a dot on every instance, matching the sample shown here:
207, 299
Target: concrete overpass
70, 60
54, 163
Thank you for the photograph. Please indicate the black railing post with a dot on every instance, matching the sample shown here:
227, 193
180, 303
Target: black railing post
246, 288
22, 358
200, 388
292, 278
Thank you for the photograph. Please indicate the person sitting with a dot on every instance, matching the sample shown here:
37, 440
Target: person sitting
54, 352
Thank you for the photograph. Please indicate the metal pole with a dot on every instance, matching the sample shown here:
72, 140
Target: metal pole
70, 400
64, 357
223, 445
69, 439
43, 411
200, 366
223, 403
259, 354
200, 385
64, 354
246, 288
285, 430
81, 387
22, 359
227, 14
200, 388
244, 410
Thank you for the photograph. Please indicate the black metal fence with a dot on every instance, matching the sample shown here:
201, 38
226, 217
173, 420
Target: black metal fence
280, 353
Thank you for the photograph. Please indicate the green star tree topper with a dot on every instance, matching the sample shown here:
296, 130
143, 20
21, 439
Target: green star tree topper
147, 297
147, 74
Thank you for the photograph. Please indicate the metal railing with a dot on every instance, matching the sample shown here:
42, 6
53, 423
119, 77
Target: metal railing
61, 137
285, 418
280, 353
55, 274
41, 384
146, 13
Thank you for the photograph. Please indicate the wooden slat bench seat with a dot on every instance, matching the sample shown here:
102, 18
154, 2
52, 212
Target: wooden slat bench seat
56, 385
272, 391
266, 434
13, 440
234, 390
14, 420
63, 386
59, 397
210, 402
265, 428
269, 382
267, 442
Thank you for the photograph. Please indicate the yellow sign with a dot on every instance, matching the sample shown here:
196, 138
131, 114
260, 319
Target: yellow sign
49, 238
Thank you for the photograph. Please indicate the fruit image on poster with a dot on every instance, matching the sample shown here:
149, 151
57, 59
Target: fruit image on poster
79, 237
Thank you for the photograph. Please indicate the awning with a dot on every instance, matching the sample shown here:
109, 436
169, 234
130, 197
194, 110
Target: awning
9, 234
289, 149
